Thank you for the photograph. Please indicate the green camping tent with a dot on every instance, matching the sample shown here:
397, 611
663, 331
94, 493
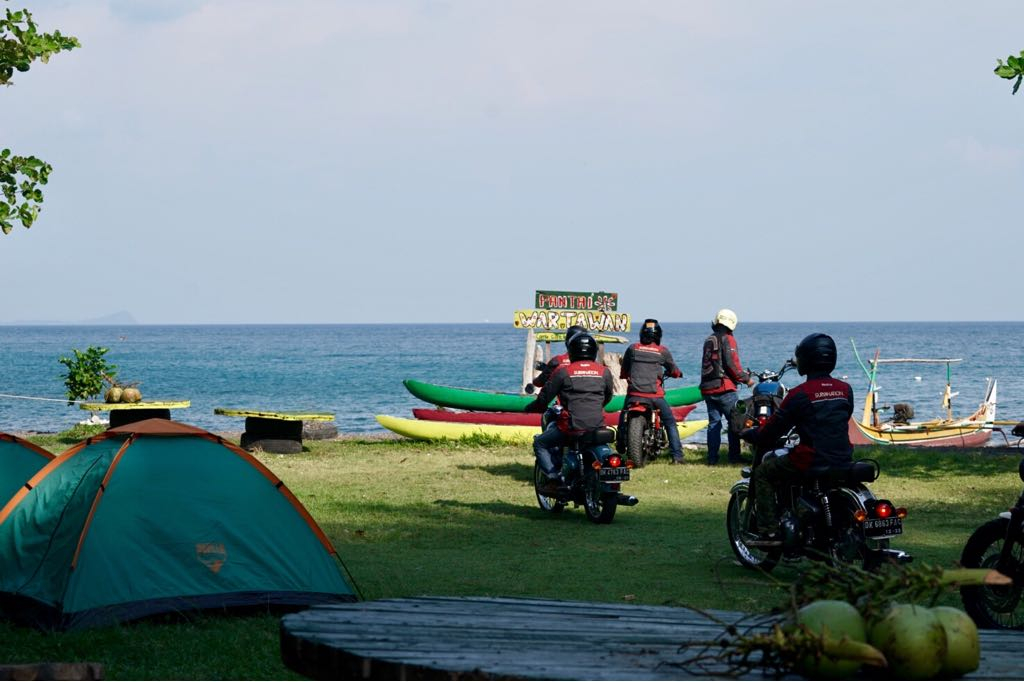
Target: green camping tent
19, 461
158, 516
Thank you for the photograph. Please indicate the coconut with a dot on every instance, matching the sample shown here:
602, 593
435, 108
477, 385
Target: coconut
835, 620
113, 394
963, 651
913, 641
131, 395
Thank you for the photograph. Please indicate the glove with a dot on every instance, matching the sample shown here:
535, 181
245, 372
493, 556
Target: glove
535, 406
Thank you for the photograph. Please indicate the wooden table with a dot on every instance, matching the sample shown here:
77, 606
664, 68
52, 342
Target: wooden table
126, 413
277, 432
501, 638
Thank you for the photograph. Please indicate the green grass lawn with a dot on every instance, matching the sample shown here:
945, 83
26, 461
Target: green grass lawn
460, 519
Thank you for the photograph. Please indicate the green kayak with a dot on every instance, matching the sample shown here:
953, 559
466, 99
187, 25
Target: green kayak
492, 401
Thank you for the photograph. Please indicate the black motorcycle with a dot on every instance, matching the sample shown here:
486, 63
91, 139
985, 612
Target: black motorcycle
592, 476
765, 398
829, 515
998, 544
643, 436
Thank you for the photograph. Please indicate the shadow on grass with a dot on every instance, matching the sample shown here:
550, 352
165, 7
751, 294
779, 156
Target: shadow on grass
494, 508
517, 472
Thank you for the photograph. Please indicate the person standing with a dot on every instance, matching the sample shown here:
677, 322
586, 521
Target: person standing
720, 373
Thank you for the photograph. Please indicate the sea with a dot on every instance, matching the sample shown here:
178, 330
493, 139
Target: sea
355, 371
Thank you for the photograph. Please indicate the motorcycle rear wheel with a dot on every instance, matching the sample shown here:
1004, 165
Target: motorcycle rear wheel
849, 546
738, 513
635, 428
991, 606
600, 505
545, 502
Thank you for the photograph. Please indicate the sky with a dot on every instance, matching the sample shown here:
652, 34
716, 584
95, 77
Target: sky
315, 161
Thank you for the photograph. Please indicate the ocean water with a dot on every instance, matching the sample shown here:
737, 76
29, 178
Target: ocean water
356, 371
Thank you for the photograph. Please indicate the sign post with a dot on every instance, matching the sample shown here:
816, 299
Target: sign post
556, 311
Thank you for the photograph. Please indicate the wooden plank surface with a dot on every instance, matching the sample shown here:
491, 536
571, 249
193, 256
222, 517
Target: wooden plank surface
142, 405
504, 638
284, 416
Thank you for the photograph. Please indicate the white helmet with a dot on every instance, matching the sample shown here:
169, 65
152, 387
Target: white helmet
726, 318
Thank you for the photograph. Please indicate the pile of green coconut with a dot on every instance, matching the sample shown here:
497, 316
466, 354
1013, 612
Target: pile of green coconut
843, 621
910, 642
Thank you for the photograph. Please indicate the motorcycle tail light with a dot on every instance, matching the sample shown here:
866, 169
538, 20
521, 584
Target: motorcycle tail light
901, 512
614, 461
883, 510
860, 515
596, 465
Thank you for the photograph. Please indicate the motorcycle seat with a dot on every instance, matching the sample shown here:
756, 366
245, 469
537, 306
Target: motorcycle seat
601, 436
861, 471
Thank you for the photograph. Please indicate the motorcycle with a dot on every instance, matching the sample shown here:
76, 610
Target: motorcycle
643, 435
829, 515
998, 544
766, 396
592, 476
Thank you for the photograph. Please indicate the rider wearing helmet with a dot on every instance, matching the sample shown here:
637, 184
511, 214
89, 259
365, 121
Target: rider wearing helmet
644, 366
583, 388
555, 362
820, 410
720, 372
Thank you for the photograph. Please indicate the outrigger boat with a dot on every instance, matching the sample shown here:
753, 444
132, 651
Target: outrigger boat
949, 431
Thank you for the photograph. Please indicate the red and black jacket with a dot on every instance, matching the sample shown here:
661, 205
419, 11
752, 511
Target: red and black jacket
549, 369
820, 410
720, 366
643, 365
583, 389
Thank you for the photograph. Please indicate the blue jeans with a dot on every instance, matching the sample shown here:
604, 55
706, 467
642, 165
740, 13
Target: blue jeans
668, 421
547, 447
720, 407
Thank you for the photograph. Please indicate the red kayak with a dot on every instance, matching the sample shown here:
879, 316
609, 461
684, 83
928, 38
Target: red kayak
517, 418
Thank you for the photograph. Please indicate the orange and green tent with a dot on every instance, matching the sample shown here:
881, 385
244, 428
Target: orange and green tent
158, 516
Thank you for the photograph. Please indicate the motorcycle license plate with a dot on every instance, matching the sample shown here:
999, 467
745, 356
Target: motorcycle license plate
883, 528
611, 474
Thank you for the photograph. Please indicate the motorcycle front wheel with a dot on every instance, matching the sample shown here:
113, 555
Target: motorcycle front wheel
600, 505
994, 606
737, 524
635, 427
546, 502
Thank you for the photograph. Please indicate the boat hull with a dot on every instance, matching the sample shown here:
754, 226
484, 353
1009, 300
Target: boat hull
419, 429
962, 436
518, 418
492, 401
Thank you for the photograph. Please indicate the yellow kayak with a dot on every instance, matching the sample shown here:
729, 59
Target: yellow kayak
418, 429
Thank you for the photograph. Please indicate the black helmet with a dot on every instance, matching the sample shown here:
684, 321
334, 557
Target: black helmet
582, 346
651, 331
573, 331
816, 353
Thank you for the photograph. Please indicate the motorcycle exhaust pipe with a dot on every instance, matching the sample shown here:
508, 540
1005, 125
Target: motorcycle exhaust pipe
627, 500
897, 555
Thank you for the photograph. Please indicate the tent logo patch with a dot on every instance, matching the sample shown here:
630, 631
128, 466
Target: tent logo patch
212, 555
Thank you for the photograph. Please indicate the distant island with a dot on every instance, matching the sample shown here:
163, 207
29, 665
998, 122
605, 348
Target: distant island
122, 317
